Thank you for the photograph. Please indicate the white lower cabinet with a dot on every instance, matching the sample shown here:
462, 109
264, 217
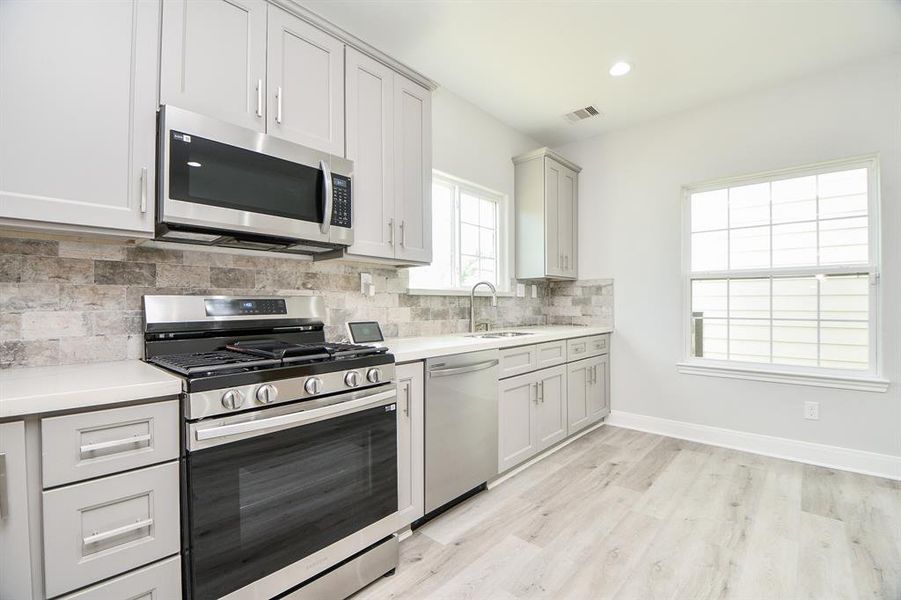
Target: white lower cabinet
104, 527
589, 390
410, 447
599, 388
159, 581
531, 415
15, 543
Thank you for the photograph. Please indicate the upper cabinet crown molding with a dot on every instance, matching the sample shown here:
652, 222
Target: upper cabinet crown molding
356, 43
546, 152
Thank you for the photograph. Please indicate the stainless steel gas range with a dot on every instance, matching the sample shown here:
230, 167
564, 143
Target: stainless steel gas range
290, 447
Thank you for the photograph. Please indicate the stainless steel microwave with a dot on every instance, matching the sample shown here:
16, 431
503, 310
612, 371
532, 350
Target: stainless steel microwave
220, 184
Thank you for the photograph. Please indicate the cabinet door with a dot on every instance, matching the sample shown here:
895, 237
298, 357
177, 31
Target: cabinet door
577, 411
413, 167
78, 113
566, 222
15, 544
369, 89
599, 388
305, 84
410, 448
553, 174
517, 406
214, 59
550, 422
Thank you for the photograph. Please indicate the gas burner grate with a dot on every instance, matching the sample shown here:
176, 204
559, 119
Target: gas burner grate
207, 362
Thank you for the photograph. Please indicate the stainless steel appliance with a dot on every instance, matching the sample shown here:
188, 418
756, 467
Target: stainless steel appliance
225, 185
460, 425
290, 446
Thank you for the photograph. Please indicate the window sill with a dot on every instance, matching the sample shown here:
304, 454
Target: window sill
863, 383
482, 291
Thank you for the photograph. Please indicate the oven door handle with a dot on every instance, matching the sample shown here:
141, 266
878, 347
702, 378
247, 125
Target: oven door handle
246, 429
327, 197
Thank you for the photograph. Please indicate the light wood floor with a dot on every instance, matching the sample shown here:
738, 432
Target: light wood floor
629, 515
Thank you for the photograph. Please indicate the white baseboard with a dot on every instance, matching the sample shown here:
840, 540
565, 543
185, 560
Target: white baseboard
846, 459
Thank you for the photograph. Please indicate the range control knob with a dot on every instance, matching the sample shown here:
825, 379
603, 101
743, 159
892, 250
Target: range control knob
266, 394
233, 399
313, 385
374, 375
352, 379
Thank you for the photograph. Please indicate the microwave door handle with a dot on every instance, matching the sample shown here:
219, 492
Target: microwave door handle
327, 197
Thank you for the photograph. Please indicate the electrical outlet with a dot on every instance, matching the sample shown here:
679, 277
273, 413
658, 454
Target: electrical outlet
534, 291
366, 286
812, 411
520, 290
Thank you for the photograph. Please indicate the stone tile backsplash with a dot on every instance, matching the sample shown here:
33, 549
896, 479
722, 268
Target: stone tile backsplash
66, 301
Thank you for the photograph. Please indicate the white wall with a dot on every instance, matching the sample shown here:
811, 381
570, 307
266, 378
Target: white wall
630, 214
471, 144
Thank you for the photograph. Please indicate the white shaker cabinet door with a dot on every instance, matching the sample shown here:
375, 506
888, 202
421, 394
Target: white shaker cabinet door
369, 89
410, 446
15, 542
305, 84
599, 388
577, 413
78, 113
566, 221
517, 407
553, 174
214, 59
413, 165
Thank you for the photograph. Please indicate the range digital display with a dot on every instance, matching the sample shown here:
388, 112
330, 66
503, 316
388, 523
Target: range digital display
246, 306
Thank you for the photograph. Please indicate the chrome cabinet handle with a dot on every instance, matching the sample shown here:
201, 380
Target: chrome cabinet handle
278, 104
327, 200
403, 234
114, 533
390, 232
407, 399
259, 97
138, 439
534, 387
143, 189
541, 391
460, 370
4, 492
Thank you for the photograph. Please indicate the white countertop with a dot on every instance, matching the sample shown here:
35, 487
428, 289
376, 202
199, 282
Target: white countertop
33, 390
420, 348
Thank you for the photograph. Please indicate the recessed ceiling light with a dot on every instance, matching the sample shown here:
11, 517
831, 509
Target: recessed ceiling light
619, 69
193, 163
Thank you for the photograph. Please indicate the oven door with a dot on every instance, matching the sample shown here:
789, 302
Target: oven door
276, 496
217, 176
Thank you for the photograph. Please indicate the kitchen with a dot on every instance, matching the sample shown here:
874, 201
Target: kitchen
295, 303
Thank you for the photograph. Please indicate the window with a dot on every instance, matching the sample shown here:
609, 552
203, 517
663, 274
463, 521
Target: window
782, 270
469, 241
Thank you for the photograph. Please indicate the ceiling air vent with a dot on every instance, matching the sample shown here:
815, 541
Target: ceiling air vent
581, 114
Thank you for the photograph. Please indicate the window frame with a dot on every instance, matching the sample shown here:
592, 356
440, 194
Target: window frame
867, 380
503, 237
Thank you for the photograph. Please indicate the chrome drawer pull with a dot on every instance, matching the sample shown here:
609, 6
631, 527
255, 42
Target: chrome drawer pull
138, 439
114, 533
4, 493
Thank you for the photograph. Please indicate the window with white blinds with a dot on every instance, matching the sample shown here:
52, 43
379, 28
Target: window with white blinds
782, 269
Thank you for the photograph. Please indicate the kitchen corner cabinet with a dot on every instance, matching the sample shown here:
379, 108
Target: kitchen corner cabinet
15, 540
388, 131
531, 414
547, 206
410, 446
78, 114
587, 392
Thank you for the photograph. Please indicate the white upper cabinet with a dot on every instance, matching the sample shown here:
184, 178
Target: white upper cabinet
547, 219
78, 114
369, 97
305, 84
389, 138
413, 184
214, 59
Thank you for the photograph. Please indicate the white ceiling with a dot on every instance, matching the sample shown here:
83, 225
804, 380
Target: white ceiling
529, 62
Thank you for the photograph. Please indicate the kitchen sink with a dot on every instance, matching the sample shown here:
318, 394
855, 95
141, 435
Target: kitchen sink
501, 334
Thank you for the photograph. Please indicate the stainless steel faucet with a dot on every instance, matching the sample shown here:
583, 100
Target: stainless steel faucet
472, 302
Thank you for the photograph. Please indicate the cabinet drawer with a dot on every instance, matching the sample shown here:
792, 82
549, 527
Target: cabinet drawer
577, 348
599, 344
159, 581
516, 361
86, 445
551, 354
101, 528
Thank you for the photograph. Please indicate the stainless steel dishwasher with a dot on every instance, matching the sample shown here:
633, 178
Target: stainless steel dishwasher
460, 425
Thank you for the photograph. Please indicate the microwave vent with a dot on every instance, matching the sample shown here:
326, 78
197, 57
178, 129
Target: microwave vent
582, 114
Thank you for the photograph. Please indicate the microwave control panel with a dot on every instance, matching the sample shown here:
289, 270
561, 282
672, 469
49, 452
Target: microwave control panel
341, 203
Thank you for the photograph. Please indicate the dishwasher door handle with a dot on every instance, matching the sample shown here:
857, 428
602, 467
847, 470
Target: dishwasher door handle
465, 369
